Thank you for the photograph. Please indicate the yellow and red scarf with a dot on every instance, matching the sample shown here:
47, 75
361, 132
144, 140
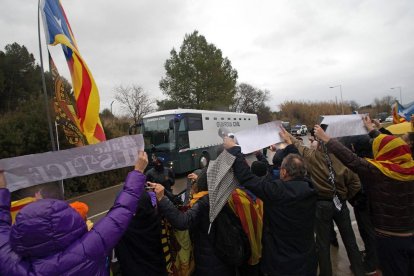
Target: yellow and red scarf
392, 156
197, 196
250, 213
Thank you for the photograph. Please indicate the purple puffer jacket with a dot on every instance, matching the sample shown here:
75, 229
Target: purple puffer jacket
50, 238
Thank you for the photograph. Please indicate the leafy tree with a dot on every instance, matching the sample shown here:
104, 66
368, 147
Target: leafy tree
198, 76
167, 104
134, 101
19, 77
24, 131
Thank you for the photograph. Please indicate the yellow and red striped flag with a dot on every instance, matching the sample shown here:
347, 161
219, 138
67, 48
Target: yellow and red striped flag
250, 213
58, 31
17, 205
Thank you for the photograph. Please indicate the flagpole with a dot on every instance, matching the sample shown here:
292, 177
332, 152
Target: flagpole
62, 186
49, 119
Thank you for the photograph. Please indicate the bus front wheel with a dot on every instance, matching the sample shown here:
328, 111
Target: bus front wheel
204, 160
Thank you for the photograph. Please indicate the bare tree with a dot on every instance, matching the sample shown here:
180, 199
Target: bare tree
384, 104
135, 101
249, 99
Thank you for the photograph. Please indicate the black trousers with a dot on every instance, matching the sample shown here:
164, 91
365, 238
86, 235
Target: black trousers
367, 232
395, 255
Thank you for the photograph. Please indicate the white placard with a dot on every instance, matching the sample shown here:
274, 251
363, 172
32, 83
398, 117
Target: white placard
344, 125
28, 170
259, 137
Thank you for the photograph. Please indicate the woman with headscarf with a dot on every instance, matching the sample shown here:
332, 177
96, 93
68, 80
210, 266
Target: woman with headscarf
390, 187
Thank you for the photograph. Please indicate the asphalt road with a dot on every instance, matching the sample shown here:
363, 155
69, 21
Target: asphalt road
101, 201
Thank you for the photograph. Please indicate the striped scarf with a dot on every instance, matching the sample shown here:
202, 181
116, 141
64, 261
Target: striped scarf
392, 156
250, 213
197, 196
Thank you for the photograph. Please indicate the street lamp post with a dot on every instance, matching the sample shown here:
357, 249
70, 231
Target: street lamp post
111, 107
399, 87
342, 100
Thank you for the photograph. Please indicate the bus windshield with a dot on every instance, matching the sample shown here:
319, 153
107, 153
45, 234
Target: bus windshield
157, 133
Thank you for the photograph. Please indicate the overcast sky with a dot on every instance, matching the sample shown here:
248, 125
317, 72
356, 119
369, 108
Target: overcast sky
295, 49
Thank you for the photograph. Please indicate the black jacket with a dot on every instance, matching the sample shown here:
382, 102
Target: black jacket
139, 252
196, 219
289, 213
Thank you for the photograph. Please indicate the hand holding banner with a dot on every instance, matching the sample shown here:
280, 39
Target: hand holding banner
28, 170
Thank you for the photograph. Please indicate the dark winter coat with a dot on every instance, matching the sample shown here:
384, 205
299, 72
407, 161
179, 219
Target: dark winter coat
139, 252
196, 219
50, 237
165, 177
289, 214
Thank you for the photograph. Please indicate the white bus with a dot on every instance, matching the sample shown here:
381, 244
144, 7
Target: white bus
187, 138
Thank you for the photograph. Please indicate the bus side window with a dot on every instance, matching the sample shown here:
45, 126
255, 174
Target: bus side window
195, 123
182, 126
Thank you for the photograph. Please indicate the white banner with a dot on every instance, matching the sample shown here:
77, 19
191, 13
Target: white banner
28, 170
344, 125
259, 137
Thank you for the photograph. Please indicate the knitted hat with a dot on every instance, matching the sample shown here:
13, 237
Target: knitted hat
81, 208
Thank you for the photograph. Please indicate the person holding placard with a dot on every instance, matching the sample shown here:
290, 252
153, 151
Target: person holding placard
51, 238
335, 184
390, 178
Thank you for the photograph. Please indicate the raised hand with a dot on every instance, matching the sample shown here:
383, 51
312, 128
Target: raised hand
158, 189
2, 180
320, 134
142, 161
192, 176
285, 136
368, 123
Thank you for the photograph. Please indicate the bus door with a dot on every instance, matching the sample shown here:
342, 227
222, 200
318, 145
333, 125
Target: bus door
183, 147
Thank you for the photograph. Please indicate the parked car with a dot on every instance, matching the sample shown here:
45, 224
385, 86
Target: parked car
286, 126
389, 119
382, 116
299, 130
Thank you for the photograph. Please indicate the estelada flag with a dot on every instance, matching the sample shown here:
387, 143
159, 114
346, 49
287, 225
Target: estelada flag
397, 114
58, 31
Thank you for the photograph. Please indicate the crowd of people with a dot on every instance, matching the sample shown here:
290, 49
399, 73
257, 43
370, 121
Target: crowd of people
264, 219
